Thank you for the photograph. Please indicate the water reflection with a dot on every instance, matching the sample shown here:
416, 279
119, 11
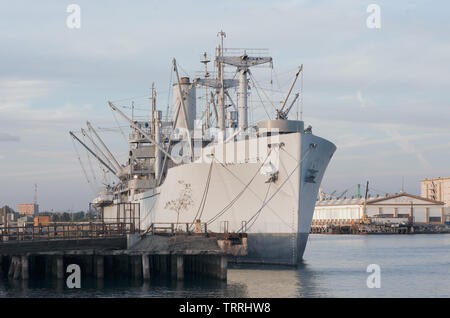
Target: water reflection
334, 266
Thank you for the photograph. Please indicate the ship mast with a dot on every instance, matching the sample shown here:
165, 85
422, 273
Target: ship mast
220, 85
205, 62
220, 99
139, 129
243, 64
153, 107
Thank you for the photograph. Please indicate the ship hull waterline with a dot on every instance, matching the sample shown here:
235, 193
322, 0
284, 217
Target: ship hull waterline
275, 213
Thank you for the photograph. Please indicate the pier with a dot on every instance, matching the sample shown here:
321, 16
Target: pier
373, 227
108, 251
108, 264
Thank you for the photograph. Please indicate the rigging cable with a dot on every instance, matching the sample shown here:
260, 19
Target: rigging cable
262, 103
281, 185
169, 94
301, 98
259, 198
82, 167
229, 205
90, 162
201, 207
148, 214
256, 86
118, 125
257, 214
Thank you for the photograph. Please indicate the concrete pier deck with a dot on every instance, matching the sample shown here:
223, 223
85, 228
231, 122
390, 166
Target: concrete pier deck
173, 257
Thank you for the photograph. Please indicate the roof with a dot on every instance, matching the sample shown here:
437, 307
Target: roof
403, 194
434, 179
354, 201
360, 201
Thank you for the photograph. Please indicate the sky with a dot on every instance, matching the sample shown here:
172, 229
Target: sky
379, 94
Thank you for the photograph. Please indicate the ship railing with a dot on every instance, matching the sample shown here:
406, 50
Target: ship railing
173, 228
194, 229
66, 231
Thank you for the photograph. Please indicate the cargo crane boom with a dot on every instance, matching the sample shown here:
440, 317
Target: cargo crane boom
92, 152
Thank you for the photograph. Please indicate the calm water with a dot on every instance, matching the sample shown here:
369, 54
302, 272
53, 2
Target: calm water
334, 266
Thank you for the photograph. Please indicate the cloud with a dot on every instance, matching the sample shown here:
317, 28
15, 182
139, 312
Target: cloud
405, 145
8, 137
16, 94
53, 78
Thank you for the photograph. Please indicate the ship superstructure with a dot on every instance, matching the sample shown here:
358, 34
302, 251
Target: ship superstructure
212, 166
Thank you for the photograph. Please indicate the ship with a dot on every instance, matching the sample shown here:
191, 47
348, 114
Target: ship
211, 170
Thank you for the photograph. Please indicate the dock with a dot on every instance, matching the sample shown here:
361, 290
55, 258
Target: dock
118, 251
370, 227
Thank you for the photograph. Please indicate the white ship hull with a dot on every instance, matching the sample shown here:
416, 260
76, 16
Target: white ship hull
280, 232
261, 179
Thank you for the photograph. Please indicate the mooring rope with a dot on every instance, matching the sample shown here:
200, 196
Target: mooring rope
229, 205
201, 207
281, 185
256, 215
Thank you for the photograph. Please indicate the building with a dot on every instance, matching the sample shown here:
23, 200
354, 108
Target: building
31, 209
436, 189
24, 220
42, 220
397, 206
7, 215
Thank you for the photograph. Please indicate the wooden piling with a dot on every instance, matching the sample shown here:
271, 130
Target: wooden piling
100, 264
157, 266
136, 261
180, 267
59, 267
90, 265
11, 267
25, 267
17, 268
223, 267
145, 267
163, 262
48, 260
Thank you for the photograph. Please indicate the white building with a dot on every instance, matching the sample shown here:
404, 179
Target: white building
436, 189
399, 205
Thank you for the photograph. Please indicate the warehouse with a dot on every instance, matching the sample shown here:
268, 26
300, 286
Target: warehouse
397, 206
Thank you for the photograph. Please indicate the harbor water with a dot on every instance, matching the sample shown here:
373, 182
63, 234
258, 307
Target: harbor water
333, 266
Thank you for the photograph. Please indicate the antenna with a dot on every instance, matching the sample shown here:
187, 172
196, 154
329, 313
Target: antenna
35, 194
205, 62
365, 201
153, 98
222, 35
220, 99
301, 100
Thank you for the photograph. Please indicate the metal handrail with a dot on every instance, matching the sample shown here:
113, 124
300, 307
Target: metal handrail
172, 227
64, 231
